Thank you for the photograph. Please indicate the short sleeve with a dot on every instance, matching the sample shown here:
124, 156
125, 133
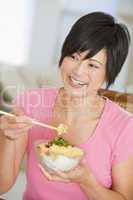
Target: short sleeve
123, 148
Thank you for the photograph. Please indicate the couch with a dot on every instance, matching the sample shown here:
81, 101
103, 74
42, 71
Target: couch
125, 100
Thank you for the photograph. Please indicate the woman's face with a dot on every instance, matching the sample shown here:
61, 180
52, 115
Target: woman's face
84, 77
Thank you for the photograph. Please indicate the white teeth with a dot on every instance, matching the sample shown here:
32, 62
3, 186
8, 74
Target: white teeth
77, 81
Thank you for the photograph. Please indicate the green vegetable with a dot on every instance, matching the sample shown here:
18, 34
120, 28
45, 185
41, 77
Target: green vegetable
60, 142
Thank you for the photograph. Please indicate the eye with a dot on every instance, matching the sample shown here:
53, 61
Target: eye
75, 57
93, 65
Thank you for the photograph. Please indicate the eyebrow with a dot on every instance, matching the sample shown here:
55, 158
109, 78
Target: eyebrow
92, 59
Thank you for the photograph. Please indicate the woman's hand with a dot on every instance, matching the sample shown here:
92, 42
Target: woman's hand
14, 127
52, 175
79, 174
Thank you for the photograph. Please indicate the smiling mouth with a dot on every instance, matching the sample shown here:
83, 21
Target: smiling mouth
76, 83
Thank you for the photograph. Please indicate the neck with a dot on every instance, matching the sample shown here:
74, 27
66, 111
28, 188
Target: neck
79, 104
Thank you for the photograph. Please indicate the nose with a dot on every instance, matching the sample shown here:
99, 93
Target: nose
79, 69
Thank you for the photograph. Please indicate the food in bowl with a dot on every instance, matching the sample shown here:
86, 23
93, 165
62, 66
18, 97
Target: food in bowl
59, 154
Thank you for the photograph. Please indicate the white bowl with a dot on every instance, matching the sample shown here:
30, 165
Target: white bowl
59, 162
62, 163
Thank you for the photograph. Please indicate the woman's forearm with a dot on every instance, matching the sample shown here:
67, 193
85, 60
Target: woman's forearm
7, 158
96, 191
9, 161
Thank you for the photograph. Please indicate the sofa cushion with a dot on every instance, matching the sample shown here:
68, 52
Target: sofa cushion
125, 100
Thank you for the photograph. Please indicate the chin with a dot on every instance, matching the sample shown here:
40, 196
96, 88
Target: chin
76, 92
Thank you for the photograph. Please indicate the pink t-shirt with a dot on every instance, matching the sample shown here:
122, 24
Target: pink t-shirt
110, 144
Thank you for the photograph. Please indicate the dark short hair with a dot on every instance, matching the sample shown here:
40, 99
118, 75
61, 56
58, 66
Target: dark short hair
94, 32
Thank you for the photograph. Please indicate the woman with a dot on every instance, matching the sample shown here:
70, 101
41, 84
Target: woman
92, 54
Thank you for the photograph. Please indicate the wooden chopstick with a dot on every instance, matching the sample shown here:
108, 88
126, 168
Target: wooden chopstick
32, 120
